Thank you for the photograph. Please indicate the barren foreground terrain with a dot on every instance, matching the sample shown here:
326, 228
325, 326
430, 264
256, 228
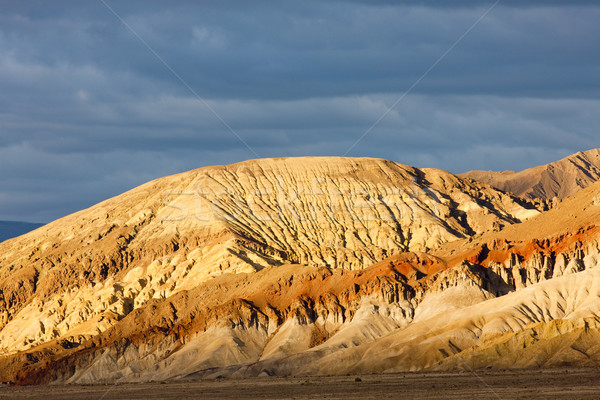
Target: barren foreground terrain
571, 383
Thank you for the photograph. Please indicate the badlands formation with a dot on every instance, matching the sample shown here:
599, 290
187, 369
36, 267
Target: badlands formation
302, 266
559, 179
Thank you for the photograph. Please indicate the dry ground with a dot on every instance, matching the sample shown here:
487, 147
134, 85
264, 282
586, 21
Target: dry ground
570, 383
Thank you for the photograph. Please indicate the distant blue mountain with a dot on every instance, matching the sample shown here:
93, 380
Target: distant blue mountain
11, 229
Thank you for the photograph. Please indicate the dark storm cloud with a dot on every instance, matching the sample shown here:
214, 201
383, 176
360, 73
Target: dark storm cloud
86, 111
332, 48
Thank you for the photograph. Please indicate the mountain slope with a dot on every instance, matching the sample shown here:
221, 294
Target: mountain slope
546, 325
141, 268
560, 179
531, 299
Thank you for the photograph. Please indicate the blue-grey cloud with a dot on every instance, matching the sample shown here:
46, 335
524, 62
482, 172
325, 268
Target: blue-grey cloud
87, 111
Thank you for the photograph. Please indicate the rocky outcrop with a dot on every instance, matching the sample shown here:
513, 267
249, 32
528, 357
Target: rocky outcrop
230, 320
305, 320
72, 278
558, 179
311, 266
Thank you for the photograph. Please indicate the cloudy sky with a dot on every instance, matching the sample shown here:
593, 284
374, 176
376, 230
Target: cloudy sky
94, 102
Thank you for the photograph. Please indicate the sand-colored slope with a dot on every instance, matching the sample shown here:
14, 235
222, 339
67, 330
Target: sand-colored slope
75, 277
547, 324
228, 320
559, 179
558, 237
526, 296
296, 320
141, 288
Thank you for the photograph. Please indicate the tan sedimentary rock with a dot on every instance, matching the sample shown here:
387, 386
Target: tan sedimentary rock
171, 234
299, 266
559, 179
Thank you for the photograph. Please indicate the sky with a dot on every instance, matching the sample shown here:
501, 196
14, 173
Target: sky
100, 96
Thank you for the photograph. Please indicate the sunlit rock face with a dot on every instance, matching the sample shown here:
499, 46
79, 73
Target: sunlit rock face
558, 179
149, 265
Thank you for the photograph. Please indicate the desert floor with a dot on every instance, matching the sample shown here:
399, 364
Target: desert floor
570, 383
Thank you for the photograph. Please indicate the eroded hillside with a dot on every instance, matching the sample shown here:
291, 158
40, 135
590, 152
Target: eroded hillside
74, 277
288, 266
559, 179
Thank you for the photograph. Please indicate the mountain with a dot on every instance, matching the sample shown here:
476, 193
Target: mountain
11, 229
526, 296
289, 266
559, 179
